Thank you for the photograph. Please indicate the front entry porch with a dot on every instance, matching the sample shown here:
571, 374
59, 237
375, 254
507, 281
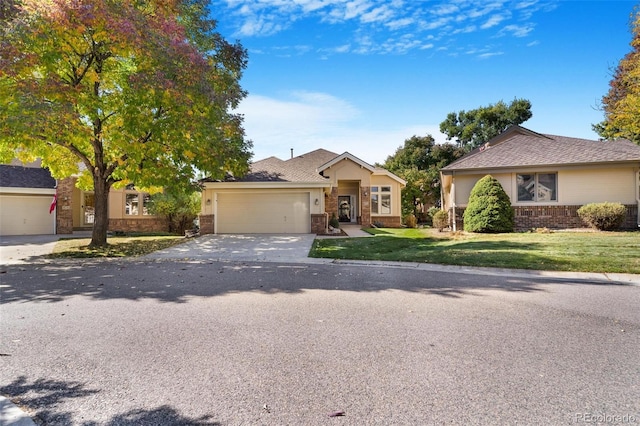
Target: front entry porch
349, 202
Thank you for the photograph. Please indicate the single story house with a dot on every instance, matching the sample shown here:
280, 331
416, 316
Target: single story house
301, 194
547, 177
28, 207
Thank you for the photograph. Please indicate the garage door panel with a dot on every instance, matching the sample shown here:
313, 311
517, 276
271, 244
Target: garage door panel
260, 213
26, 215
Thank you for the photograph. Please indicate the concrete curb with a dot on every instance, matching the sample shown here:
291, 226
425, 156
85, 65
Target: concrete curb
617, 278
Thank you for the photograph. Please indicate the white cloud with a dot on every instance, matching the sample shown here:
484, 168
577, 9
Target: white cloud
400, 23
385, 20
306, 121
517, 30
493, 21
488, 55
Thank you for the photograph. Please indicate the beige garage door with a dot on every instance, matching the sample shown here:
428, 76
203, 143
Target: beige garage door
263, 213
26, 215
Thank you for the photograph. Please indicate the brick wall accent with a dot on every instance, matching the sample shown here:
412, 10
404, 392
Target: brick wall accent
64, 210
331, 203
387, 221
207, 224
319, 223
552, 217
155, 224
365, 201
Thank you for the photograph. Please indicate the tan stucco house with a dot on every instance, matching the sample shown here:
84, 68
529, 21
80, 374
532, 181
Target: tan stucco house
300, 195
27, 205
547, 177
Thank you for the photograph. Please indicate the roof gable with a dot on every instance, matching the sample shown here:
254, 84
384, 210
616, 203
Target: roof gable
305, 168
520, 147
346, 156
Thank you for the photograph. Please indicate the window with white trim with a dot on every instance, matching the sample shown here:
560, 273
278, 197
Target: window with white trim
132, 202
381, 200
537, 187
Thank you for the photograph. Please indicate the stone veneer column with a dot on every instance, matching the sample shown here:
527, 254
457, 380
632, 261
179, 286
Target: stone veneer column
331, 203
64, 210
207, 224
365, 199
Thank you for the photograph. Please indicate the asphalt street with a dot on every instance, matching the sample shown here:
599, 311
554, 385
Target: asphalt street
204, 343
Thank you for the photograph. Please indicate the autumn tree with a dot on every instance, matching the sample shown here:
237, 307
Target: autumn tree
621, 105
120, 92
418, 162
472, 128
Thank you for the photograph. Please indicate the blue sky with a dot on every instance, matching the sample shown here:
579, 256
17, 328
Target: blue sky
364, 75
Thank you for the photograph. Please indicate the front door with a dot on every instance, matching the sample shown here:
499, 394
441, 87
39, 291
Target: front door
344, 208
88, 208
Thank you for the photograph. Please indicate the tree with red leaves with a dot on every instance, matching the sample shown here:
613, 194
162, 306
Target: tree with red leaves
120, 92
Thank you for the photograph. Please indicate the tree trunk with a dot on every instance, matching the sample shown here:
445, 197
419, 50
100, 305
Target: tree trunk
101, 220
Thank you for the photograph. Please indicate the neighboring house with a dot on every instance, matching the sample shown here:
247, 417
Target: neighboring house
301, 194
26, 195
128, 210
27, 192
548, 178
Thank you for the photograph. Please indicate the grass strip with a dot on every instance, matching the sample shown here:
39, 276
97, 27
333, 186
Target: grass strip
614, 252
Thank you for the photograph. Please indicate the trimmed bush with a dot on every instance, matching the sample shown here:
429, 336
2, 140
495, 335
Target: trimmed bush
603, 216
440, 220
410, 221
489, 209
334, 222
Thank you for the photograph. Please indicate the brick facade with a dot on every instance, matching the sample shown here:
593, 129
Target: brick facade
64, 210
387, 221
365, 200
207, 224
552, 217
331, 203
139, 225
319, 223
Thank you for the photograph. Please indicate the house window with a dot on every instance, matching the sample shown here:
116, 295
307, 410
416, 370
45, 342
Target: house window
380, 200
136, 203
537, 187
131, 205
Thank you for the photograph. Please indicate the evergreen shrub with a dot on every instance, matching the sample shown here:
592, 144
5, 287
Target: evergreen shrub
489, 209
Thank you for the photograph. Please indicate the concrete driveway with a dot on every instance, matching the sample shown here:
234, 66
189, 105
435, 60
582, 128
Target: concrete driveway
20, 249
23, 249
249, 247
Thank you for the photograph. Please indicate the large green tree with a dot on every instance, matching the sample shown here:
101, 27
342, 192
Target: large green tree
621, 105
120, 91
472, 128
419, 162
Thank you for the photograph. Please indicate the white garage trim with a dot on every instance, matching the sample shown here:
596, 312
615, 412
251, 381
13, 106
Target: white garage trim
270, 212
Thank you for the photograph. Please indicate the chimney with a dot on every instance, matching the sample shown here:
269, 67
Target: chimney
291, 152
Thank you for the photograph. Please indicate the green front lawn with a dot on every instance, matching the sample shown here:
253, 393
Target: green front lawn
556, 251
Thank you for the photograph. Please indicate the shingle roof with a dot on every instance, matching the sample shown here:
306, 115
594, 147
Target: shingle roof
524, 148
302, 168
25, 177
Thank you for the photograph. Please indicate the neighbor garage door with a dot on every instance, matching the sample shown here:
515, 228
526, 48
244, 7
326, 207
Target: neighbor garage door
263, 213
26, 215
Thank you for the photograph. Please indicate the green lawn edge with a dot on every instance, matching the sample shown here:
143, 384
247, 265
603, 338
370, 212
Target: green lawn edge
604, 252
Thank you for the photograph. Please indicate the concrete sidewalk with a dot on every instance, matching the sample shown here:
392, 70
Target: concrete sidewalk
23, 249
10, 415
